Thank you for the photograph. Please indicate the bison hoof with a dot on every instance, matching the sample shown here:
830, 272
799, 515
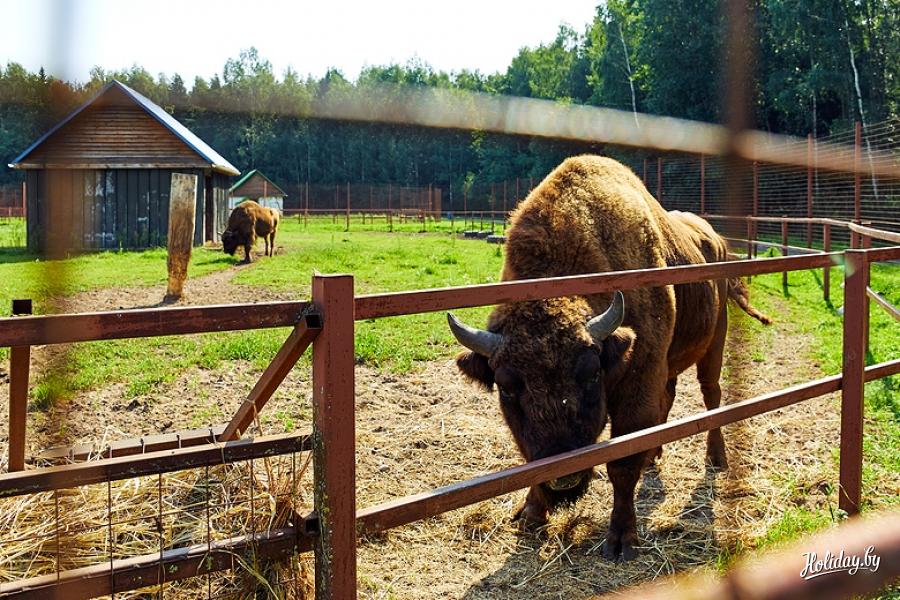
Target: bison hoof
717, 460
617, 549
530, 516
657, 455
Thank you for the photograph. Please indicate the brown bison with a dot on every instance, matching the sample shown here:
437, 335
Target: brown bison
248, 220
564, 366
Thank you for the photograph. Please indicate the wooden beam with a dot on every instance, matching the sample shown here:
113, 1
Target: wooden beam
152, 463
883, 303
136, 445
399, 303
146, 322
296, 344
122, 575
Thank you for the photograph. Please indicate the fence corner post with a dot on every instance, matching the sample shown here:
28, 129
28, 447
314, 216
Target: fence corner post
856, 279
19, 367
334, 435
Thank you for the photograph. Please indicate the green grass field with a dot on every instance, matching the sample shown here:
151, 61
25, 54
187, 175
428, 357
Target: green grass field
382, 261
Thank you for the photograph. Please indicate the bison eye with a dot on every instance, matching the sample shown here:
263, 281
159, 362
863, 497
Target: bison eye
587, 369
509, 383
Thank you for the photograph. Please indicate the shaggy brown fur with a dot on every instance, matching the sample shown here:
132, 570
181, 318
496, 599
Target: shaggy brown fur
248, 220
557, 387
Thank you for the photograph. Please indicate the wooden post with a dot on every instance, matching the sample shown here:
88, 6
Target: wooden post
826, 274
857, 184
504, 199
645, 172
755, 201
182, 212
659, 182
24, 204
702, 184
390, 215
750, 238
19, 367
784, 249
866, 244
347, 225
306, 212
856, 279
334, 461
809, 189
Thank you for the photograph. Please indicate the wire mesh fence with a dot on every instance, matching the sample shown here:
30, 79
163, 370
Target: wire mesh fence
103, 526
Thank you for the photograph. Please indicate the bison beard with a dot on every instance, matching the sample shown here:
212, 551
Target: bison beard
561, 372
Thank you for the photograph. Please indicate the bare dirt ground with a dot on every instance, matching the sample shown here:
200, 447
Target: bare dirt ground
426, 429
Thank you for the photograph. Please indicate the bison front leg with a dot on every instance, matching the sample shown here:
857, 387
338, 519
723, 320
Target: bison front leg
622, 537
248, 248
533, 512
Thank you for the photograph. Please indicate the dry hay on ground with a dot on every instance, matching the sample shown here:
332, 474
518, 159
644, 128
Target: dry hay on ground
426, 429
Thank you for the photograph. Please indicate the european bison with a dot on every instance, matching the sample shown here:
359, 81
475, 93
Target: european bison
248, 220
563, 366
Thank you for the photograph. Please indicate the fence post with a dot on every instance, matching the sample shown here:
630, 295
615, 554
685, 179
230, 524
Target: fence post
753, 229
809, 188
659, 184
334, 461
348, 207
645, 172
750, 243
856, 279
784, 249
857, 184
826, 274
702, 184
19, 367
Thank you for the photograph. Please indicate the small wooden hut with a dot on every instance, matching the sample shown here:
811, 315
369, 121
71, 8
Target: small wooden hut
256, 186
101, 177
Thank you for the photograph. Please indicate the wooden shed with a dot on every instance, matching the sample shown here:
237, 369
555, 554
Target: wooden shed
256, 186
101, 177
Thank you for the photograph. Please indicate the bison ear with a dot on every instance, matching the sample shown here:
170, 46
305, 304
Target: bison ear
616, 353
476, 369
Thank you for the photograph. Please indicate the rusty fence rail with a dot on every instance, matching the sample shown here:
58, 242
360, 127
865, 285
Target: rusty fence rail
327, 322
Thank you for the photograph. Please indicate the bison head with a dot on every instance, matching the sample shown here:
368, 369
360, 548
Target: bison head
230, 241
552, 362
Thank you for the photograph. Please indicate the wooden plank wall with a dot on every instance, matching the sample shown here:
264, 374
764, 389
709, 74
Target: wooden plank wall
107, 209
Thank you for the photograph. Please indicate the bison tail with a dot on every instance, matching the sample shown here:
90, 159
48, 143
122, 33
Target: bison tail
740, 295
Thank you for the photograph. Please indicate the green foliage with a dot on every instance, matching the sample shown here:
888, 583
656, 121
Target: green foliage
651, 55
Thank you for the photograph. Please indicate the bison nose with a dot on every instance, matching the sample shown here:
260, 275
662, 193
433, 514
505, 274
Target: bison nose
567, 482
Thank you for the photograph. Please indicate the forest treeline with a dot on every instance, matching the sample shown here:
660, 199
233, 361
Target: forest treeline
821, 65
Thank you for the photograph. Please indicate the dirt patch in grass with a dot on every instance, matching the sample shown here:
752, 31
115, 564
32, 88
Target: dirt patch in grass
215, 288
428, 428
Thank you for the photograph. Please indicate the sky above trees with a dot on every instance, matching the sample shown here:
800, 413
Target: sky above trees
195, 38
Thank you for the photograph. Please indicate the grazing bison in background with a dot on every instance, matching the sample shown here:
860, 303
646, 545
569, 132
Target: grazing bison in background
248, 220
564, 366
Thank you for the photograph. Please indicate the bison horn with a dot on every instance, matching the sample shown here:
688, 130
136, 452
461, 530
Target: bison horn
602, 325
479, 341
